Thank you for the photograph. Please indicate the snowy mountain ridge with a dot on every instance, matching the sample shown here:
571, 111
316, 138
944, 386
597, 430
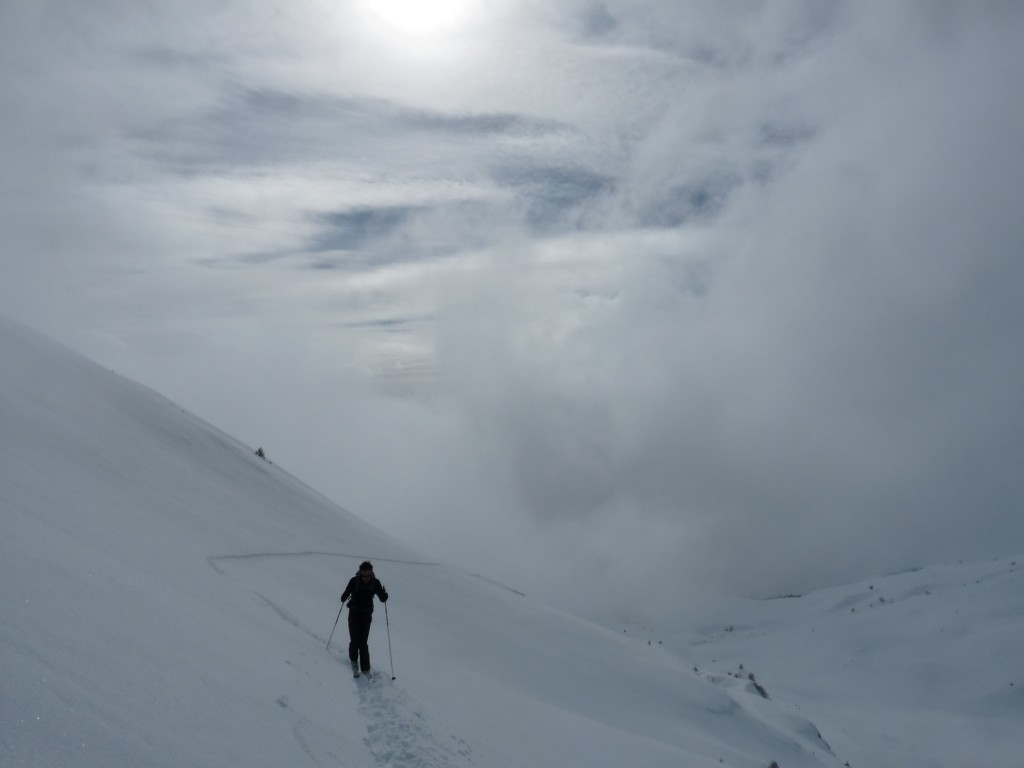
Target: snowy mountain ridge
918, 668
167, 599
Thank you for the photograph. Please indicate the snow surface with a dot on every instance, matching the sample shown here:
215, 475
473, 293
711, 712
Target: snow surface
924, 668
167, 598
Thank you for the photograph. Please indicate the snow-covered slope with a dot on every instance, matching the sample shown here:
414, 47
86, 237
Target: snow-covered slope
167, 597
923, 668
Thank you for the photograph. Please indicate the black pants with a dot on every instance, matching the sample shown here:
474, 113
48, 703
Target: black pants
359, 635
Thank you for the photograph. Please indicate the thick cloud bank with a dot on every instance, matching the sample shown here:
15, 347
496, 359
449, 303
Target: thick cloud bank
591, 297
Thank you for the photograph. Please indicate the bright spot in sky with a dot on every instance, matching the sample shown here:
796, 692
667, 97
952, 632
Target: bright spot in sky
419, 18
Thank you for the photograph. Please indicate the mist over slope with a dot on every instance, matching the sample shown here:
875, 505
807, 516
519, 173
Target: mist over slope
167, 597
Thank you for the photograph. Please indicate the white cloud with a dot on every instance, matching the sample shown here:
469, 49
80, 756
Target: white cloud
742, 282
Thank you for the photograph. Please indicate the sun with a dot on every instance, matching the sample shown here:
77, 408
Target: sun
418, 18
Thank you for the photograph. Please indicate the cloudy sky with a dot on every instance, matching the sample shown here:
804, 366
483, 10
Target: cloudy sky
610, 300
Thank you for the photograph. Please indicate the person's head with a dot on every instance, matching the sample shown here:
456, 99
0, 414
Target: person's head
366, 570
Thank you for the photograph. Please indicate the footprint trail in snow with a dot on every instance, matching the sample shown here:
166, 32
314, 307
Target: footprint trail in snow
398, 733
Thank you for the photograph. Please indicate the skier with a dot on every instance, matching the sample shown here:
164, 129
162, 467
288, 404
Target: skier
361, 589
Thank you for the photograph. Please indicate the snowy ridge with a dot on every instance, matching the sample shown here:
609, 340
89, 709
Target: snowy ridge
923, 668
167, 598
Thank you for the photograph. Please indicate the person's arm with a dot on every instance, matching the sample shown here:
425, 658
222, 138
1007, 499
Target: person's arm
348, 590
382, 594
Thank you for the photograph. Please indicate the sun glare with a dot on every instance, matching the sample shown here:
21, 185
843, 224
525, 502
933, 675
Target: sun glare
418, 18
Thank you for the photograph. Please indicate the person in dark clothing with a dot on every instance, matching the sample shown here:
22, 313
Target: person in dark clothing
359, 593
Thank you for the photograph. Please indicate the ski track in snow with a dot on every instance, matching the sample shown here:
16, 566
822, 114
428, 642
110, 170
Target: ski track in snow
398, 733
305, 732
215, 560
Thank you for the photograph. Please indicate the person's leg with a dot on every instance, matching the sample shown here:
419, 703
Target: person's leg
354, 635
362, 641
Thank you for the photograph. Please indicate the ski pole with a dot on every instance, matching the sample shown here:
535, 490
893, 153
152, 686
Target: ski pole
335, 627
387, 623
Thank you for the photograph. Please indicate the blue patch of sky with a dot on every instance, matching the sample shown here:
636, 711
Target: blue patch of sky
356, 228
554, 198
698, 200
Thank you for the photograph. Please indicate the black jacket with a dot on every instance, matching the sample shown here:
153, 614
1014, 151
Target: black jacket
362, 594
